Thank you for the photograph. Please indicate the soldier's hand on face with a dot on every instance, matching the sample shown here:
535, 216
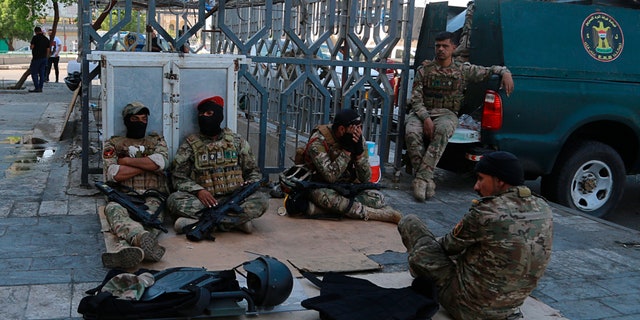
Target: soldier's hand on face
428, 127
207, 199
356, 131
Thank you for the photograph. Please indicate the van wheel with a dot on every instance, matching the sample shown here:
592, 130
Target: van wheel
588, 177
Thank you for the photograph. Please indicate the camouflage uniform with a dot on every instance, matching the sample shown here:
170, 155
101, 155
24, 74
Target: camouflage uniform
219, 165
332, 164
462, 50
155, 148
487, 266
438, 93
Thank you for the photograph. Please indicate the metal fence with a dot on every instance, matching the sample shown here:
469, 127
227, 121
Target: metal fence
309, 59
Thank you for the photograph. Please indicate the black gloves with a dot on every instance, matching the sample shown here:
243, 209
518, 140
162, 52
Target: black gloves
356, 148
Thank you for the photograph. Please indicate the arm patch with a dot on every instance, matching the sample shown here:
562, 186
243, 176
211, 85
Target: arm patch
109, 152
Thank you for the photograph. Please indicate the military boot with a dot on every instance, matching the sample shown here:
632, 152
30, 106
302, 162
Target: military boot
123, 257
246, 227
430, 190
423, 189
181, 223
419, 188
386, 214
149, 244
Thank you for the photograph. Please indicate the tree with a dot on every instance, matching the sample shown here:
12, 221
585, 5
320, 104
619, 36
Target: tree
36, 8
16, 21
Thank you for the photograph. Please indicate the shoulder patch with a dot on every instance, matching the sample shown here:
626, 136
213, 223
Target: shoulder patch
109, 152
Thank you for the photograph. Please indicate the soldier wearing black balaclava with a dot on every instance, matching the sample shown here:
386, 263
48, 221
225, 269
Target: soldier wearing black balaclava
137, 162
209, 166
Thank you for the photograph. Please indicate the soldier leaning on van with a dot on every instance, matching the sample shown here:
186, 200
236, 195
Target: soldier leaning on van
436, 98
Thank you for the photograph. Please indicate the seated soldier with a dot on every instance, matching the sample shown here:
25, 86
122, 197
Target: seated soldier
137, 163
209, 166
336, 154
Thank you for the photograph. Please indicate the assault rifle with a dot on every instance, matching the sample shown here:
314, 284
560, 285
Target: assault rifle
138, 213
211, 217
348, 190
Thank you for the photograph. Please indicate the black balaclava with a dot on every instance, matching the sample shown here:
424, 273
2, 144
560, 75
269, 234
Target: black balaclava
135, 130
210, 126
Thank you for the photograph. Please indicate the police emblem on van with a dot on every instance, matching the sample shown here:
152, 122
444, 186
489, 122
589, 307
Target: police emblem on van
602, 37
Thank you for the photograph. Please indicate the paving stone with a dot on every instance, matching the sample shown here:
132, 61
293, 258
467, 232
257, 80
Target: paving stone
25, 209
78, 292
20, 277
5, 208
50, 301
53, 208
14, 302
589, 309
82, 206
572, 289
626, 304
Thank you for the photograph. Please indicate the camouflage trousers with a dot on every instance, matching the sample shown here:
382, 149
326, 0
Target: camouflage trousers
424, 160
332, 202
184, 204
123, 226
428, 259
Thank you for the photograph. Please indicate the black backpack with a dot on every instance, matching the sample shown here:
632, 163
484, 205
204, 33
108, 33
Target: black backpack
177, 292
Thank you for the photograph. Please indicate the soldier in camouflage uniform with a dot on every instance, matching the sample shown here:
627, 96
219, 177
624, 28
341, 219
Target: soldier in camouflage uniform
491, 261
209, 166
336, 153
462, 50
438, 91
136, 162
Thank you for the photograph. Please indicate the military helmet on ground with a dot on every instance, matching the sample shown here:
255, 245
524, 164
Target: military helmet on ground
269, 281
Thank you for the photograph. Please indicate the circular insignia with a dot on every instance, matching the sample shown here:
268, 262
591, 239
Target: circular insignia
602, 37
109, 152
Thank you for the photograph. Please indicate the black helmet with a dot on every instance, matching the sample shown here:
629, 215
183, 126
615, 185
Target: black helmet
289, 177
270, 282
73, 81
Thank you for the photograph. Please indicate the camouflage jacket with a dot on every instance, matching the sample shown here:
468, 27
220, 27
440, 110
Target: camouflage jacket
502, 247
332, 164
153, 146
183, 171
436, 87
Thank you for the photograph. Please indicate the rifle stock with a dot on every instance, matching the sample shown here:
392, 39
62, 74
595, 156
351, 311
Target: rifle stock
136, 212
211, 217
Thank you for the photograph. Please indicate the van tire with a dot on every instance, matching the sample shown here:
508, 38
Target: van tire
592, 164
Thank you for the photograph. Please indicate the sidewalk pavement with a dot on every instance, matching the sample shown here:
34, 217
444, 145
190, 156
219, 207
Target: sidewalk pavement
50, 239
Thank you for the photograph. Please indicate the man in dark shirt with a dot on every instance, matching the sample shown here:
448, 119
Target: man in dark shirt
39, 57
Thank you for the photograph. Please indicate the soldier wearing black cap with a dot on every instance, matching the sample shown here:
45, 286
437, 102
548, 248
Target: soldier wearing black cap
491, 261
336, 154
209, 166
138, 162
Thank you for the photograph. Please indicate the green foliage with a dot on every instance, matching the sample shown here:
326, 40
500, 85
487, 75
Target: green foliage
136, 24
18, 17
16, 20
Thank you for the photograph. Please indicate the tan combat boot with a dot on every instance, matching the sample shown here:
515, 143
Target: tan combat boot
386, 214
122, 256
246, 227
423, 189
419, 188
149, 244
181, 223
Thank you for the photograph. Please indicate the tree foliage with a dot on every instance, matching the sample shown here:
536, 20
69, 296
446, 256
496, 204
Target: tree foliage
18, 17
137, 23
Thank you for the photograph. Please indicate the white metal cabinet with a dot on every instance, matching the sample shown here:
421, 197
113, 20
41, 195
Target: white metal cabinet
170, 85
